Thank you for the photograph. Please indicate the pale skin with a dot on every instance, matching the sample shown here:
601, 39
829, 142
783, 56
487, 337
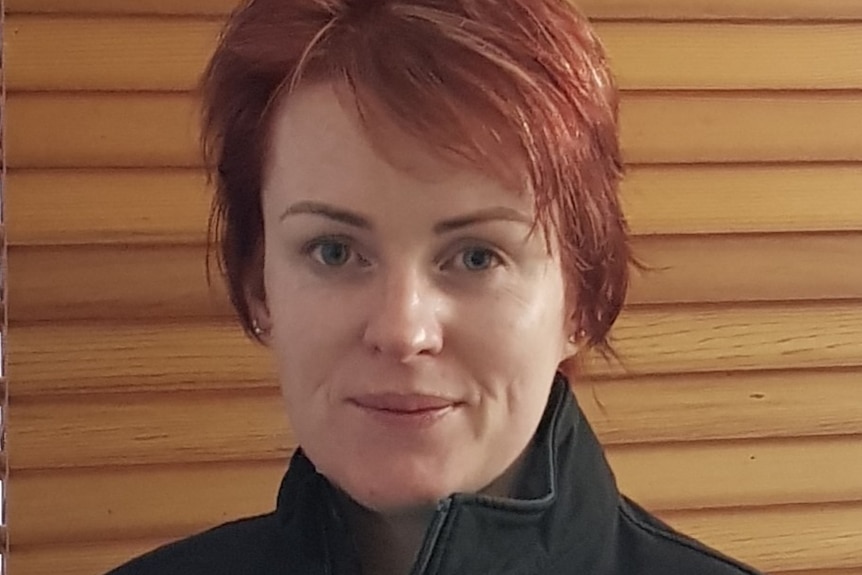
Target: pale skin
415, 317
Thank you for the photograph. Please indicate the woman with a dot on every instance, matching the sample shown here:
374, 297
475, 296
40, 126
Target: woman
417, 214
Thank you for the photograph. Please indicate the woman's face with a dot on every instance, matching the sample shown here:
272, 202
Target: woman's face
415, 321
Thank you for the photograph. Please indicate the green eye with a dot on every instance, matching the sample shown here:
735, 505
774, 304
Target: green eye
478, 259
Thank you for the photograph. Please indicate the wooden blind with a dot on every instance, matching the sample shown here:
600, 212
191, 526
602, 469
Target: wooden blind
139, 414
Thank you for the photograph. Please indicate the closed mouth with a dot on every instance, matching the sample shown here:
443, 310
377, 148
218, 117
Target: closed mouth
407, 404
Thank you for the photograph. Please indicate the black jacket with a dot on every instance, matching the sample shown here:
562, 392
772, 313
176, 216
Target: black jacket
567, 518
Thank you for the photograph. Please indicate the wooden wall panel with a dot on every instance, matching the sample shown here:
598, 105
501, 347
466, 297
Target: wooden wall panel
73, 130
108, 53
697, 339
727, 199
723, 405
782, 10
137, 502
68, 357
135, 429
113, 284
129, 207
781, 538
98, 7
709, 56
741, 127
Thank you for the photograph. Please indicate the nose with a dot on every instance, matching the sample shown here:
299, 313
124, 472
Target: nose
404, 320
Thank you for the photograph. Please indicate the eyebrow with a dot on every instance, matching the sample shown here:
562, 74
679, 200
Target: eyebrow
500, 213
327, 211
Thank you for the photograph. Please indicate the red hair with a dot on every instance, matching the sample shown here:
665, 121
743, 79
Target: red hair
519, 89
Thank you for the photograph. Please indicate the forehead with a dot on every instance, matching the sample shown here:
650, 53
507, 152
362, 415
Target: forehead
320, 145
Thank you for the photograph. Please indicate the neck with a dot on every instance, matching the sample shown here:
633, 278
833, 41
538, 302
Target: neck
388, 543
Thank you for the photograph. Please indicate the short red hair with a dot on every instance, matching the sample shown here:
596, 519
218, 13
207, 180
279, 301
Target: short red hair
520, 89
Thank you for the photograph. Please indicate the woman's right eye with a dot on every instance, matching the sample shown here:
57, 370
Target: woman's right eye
333, 253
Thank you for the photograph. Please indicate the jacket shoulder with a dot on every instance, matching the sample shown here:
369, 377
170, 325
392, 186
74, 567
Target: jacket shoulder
244, 546
653, 548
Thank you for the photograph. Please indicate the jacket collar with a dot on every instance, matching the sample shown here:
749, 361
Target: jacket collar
564, 509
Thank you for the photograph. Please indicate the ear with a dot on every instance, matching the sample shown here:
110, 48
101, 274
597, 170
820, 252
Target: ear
572, 328
573, 362
255, 298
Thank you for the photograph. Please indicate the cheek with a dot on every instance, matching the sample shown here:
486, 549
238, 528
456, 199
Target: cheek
526, 316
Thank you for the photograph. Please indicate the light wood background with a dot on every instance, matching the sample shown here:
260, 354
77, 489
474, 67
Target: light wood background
139, 414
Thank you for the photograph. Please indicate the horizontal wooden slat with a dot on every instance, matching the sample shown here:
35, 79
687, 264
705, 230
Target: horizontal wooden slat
137, 502
738, 198
170, 7
713, 406
750, 473
149, 206
782, 538
640, 9
168, 502
114, 283
50, 53
726, 9
159, 130
748, 268
734, 56
107, 206
111, 130
129, 429
127, 357
757, 127
199, 426
81, 358
791, 336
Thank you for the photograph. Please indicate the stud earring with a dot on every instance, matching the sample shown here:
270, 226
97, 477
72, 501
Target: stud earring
576, 337
256, 329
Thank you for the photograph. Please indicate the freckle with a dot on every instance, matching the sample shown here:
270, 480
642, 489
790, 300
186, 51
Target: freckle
758, 396
752, 458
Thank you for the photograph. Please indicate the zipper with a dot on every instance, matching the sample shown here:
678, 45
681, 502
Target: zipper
431, 537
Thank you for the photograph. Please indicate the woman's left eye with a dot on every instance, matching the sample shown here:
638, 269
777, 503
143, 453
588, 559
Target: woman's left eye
479, 259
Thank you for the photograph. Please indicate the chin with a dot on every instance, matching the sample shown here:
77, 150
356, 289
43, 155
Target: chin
396, 492
399, 502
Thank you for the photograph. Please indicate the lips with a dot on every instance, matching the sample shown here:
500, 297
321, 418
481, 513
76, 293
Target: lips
403, 403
